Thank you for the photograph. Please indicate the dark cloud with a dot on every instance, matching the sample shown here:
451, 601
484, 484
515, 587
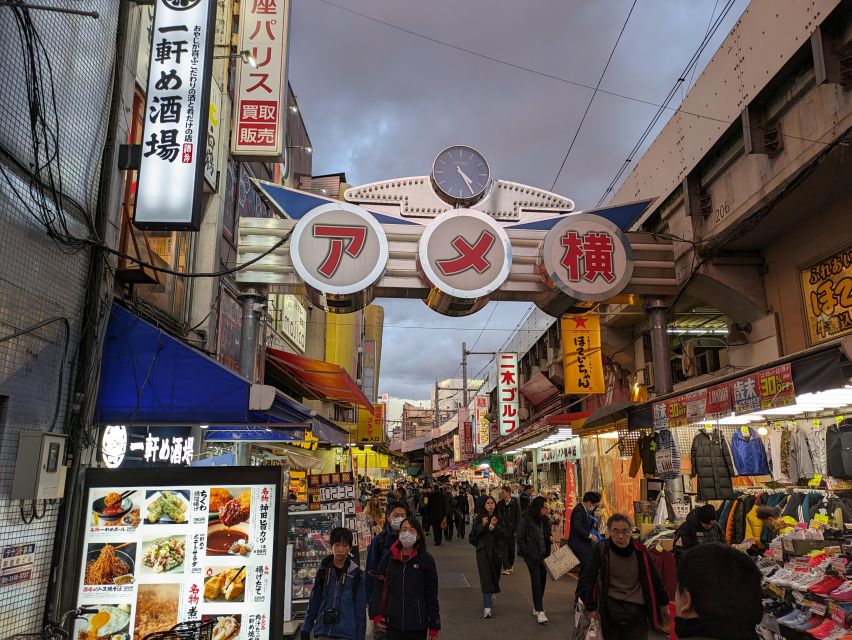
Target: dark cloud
380, 103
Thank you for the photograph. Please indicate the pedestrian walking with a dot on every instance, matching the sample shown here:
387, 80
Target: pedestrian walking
703, 609
374, 513
462, 512
337, 607
404, 598
510, 514
534, 546
423, 507
450, 508
622, 588
486, 532
526, 497
437, 514
396, 513
583, 534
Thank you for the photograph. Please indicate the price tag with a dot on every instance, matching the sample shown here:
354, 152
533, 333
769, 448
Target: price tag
817, 422
815, 481
821, 517
745, 431
838, 419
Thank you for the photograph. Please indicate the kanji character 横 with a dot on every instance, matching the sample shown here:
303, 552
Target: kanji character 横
598, 251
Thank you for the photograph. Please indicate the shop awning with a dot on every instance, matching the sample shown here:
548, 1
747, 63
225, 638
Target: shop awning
539, 388
149, 377
413, 471
322, 380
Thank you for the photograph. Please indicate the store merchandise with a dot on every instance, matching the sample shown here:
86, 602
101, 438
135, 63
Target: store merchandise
838, 440
749, 454
711, 462
666, 457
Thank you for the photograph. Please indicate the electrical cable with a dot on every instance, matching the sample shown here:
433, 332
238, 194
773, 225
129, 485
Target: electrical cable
594, 93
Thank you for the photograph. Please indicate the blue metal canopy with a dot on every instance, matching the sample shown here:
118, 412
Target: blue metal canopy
623, 216
149, 377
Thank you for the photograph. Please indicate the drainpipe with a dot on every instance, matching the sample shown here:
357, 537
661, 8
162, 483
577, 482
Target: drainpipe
657, 310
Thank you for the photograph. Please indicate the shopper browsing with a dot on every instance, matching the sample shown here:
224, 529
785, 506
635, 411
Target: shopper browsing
622, 588
703, 608
699, 528
534, 546
404, 599
486, 534
337, 607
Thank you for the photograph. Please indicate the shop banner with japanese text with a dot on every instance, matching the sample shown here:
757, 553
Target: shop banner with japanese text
570, 495
508, 392
767, 389
371, 425
581, 354
827, 297
680, 411
481, 423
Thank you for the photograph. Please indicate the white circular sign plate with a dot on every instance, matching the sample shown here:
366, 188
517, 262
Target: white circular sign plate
339, 248
465, 254
587, 257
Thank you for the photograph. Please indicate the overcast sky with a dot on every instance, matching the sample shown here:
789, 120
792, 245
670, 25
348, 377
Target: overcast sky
380, 103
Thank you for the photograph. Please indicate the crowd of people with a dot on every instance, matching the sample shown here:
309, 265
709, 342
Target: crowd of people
618, 591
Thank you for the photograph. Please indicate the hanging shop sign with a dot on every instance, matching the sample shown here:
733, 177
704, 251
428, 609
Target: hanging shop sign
582, 359
719, 402
507, 392
481, 422
211, 156
174, 140
465, 256
680, 411
368, 370
371, 425
568, 450
827, 293
123, 447
767, 389
260, 90
333, 492
586, 257
457, 452
339, 250
176, 545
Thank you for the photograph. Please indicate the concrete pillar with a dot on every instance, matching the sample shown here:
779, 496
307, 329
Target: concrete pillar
657, 310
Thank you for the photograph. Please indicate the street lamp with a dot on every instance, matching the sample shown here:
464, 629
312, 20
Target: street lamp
244, 55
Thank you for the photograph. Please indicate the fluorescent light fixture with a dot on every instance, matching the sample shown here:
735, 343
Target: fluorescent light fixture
762, 431
203, 426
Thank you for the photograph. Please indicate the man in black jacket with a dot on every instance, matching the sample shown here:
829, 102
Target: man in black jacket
436, 512
534, 545
509, 513
526, 497
583, 534
699, 528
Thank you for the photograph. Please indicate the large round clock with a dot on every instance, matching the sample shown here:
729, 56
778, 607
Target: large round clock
460, 175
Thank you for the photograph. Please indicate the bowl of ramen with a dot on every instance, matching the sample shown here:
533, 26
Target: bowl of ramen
106, 562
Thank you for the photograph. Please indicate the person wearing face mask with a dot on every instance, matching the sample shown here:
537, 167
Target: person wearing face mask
584, 534
396, 513
404, 597
622, 588
486, 534
703, 609
534, 542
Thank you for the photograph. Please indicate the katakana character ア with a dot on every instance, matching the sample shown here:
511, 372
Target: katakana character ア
166, 147
166, 109
598, 251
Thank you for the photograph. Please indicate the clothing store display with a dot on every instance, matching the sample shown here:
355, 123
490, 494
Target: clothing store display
749, 454
712, 464
816, 445
776, 438
838, 441
667, 457
801, 463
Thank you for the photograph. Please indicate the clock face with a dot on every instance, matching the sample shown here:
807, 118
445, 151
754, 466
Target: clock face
460, 174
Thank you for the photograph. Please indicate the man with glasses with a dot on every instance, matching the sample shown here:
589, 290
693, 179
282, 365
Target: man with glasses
621, 586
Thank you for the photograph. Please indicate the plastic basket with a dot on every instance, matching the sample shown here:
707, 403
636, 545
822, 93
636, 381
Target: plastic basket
195, 630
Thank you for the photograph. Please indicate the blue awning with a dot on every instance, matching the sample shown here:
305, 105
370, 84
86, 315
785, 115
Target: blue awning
148, 377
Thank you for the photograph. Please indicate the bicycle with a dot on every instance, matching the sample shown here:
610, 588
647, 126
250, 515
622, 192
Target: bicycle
56, 630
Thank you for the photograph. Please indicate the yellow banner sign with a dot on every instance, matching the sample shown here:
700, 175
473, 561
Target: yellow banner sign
581, 354
827, 291
371, 425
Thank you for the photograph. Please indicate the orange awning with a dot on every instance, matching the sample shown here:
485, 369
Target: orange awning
323, 379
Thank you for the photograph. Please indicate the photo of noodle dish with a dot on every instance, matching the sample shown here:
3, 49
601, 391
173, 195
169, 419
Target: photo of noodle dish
156, 609
109, 563
166, 506
225, 627
163, 554
110, 622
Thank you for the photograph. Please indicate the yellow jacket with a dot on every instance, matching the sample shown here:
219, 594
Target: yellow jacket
754, 526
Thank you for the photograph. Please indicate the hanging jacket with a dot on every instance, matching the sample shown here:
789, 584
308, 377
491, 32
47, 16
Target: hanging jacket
749, 453
801, 463
816, 445
712, 464
754, 525
346, 594
667, 458
725, 513
838, 445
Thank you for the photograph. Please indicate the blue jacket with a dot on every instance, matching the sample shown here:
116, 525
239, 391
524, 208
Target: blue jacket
749, 454
381, 543
347, 595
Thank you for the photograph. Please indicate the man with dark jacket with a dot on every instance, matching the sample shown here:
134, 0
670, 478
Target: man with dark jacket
395, 514
584, 534
526, 497
423, 507
462, 512
622, 587
338, 587
436, 511
509, 513
699, 528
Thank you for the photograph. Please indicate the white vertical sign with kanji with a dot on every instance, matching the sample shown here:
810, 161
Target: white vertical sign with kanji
507, 392
174, 140
481, 423
260, 94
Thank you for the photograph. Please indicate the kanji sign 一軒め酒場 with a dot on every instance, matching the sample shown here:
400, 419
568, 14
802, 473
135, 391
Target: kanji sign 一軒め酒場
174, 148
582, 360
507, 393
260, 88
586, 257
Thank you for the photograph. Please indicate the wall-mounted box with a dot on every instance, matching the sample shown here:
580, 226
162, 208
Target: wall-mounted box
39, 468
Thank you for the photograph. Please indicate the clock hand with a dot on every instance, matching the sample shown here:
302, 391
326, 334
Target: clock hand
467, 180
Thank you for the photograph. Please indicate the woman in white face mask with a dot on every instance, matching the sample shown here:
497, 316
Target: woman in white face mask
396, 513
404, 598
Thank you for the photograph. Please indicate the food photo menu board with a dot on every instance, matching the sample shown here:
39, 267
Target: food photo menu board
165, 546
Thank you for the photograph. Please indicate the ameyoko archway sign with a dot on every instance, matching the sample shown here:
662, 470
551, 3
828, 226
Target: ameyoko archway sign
410, 238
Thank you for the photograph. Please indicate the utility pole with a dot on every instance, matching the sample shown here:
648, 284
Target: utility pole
435, 420
464, 375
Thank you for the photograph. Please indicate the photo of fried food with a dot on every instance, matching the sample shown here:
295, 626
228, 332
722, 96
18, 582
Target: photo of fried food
168, 506
236, 510
218, 498
112, 498
228, 585
156, 609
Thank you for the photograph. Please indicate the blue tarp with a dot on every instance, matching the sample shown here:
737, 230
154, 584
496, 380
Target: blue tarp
148, 377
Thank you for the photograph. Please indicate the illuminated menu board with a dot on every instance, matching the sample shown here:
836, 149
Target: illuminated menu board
165, 546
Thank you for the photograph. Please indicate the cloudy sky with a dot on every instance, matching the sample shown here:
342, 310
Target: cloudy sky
384, 85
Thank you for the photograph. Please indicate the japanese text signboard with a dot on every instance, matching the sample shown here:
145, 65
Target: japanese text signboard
163, 546
681, 410
371, 425
507, 393
174, 141
333, 492
260, 93
827, 292
767, 389
581, 354
481, 423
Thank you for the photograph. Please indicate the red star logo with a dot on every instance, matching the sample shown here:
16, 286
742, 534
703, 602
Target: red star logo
580, 323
